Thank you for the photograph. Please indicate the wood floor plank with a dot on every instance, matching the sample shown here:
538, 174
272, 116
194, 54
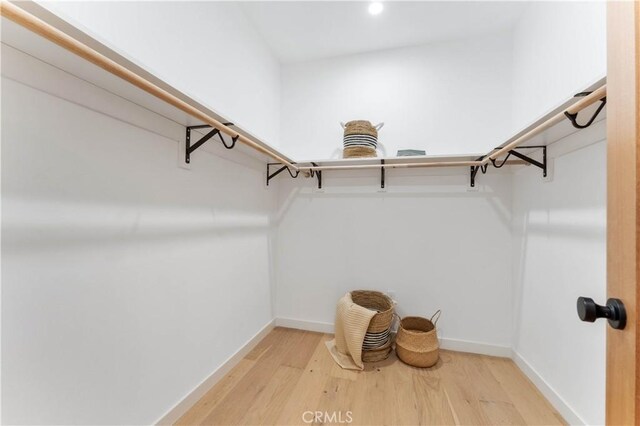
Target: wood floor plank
438, 405
494, 401
275, 337
435, 408
269, 404
291, 372
336, 400
462, 398
532, 406
403, 400
231, 410
299, 356
310, 386
208, 402
371, 397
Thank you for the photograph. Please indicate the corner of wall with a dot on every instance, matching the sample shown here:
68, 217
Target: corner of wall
554, 398
178, 410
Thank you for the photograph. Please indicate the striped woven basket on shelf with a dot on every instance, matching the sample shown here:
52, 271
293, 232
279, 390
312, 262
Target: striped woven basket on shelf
360, 139
358, 152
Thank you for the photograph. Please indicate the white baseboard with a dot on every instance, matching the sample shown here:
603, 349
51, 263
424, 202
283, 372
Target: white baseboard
475, 347
570, 416
188, 401
321, 327
448, 344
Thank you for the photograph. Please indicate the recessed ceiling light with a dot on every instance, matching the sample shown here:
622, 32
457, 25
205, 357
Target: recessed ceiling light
376, 8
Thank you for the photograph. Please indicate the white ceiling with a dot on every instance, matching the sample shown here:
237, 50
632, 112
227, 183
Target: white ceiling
307, 30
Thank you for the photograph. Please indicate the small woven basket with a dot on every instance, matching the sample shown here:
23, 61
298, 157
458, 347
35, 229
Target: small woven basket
375, 301
417, 341
360, 139
360, 127
377, 354
358, 152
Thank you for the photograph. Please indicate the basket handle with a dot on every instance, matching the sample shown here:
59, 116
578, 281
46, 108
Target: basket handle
379, 126
436, 316
395, 315
343, 125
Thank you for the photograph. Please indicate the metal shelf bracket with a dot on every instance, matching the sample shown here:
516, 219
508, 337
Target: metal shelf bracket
540, 164
294, 175
190, 148
574, 117
280, 170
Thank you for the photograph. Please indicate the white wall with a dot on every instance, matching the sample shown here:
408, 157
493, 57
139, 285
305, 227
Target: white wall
126, 280
560, 47
446, 98
560, 226
429, 240
218, 58
560, 254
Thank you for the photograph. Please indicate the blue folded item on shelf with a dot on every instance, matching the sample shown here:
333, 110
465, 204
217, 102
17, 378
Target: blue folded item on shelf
410, 152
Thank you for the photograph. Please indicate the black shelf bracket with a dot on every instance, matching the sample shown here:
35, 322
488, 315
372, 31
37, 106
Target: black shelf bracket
190, 148
312, 173
541, 165
574, 117
382, 174
280, 170
316, 173
474, 171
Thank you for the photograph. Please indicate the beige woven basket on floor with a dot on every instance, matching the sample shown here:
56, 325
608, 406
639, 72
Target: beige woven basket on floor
378, 354
417, 341
375, 301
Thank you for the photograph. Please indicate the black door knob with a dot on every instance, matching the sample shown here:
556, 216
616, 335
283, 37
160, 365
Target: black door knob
614, 311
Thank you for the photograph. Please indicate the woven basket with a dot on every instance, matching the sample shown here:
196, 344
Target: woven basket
417, 341
375, 301
378, 354
360, 127
360, 139
358, 152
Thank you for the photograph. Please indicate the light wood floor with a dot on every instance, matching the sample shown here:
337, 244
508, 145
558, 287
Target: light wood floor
291, 372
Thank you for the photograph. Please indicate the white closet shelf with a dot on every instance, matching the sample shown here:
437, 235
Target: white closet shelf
394, 162
523, 139
32, 29
390, 161
40, 21
556, 124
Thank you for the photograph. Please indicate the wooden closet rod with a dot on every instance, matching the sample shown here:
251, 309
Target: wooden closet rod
38, 26
395, 166
578, 106
584, 102
409, 165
